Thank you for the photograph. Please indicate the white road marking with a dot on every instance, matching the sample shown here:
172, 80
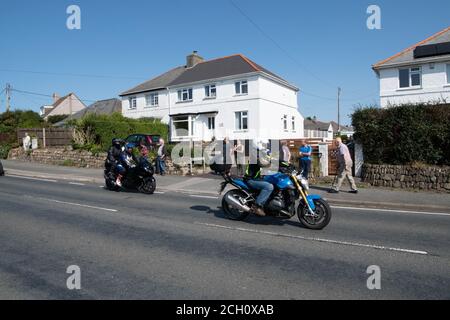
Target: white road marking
391, 210
30, 178
204, 197
346, 243
77, 183
73, 204
159, 192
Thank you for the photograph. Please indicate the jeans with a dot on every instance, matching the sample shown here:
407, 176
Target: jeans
266, 190
305, 165
161, 165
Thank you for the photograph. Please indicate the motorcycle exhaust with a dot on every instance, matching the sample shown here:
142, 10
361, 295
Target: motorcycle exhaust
236, 204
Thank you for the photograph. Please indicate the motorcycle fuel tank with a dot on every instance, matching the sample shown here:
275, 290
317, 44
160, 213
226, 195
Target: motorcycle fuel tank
280, 180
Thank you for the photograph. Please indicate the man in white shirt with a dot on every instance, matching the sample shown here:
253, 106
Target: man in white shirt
345, 167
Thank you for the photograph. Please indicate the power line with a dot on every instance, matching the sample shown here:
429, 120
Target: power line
73, 74
46, 95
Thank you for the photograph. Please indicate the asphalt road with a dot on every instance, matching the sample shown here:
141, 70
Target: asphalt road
179, 246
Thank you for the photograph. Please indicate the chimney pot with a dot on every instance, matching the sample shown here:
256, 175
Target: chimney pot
193, 59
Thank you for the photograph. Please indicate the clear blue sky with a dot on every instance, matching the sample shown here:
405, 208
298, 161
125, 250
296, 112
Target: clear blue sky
318, 45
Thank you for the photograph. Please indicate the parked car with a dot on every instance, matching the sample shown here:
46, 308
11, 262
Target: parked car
148, 140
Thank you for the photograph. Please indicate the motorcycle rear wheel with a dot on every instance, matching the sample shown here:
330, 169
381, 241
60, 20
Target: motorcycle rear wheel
148, 186
231, 212
323, 212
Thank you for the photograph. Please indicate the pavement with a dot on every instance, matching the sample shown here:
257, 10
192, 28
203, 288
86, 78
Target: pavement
370, 198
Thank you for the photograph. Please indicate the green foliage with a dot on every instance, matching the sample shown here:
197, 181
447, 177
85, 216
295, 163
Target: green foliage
4, 150
95, 132
12, 120
404, 134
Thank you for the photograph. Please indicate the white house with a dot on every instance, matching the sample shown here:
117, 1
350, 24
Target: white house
227, 97
419, 74
315, 129
66, 105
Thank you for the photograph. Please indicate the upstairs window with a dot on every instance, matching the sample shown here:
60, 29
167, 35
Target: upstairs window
293, 124
448, 73
241, 87
210, 91
133, 103
185, 95
152, 100
285, 122
410, 78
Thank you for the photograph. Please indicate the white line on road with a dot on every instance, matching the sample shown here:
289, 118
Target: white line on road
391, 210
30, 178
204, 197
346, 243
73, 204
77, 183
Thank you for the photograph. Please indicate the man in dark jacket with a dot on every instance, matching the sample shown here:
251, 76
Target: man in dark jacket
127, 162
113, 157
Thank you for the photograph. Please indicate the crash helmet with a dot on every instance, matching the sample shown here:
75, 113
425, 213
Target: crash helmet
116, 142
129, 146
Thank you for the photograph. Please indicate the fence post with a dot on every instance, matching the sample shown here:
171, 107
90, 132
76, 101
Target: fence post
359, 159
43, 138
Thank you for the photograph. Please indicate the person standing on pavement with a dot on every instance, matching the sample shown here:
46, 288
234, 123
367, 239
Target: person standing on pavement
305, 158
239, 157
345, 167
285, 153
161, 157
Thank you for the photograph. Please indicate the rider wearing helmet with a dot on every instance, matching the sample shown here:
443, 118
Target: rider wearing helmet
259, 157
114, 152
127, 162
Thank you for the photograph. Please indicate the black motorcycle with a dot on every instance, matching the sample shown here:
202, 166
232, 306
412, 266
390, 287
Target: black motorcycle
139, 178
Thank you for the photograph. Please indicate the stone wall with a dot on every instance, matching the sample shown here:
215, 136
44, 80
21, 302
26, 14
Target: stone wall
407, 177
66, 156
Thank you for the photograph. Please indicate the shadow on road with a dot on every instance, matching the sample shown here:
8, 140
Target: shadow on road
251, 219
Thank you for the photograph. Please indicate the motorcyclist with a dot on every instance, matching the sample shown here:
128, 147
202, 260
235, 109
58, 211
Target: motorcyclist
113, 158
259, 156
127, 162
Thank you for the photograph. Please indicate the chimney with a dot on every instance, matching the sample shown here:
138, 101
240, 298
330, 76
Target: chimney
56, 97
193, 59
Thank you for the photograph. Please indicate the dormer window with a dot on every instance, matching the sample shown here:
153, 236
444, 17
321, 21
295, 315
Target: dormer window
241, 87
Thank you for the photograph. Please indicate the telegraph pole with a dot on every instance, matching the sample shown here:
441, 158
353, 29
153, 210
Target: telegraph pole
339, 109
8, 96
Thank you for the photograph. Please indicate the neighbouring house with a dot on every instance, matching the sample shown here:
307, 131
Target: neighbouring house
315, 129
226, 97
419, 74
67, 105
107, 107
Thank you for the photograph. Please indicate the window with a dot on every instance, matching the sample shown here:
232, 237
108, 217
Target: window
185, 95
211, 123
152, 100
241, 120
448, 73
285, 122
133, 103
210, 91
410, 77
241, 87
183, 126
293, 124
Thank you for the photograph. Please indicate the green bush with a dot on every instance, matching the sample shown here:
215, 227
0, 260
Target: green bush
95, 132
4, 150
404, 134
11, 120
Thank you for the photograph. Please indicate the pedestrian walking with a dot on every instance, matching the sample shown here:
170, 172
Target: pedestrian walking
305, 158
345, 168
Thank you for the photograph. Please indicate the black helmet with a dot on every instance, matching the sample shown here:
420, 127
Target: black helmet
116, 142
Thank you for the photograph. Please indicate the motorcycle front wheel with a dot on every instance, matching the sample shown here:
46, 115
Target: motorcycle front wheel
148, 186
321, 218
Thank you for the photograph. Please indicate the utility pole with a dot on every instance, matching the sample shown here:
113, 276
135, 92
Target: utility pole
339, 109
8, 96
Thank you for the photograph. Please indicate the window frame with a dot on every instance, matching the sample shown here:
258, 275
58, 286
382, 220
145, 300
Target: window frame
239, 121
153, 98
447, 69
411, 71
239, 85
212, 123
293, 124
285, 122
209, 90
189, 94
132, 103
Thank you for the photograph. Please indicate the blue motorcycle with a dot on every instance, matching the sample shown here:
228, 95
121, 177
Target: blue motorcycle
290, 186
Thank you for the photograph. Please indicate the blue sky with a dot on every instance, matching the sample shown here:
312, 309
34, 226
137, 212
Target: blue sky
317, 45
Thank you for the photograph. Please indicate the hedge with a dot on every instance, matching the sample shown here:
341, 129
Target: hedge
404, 134
95, 132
